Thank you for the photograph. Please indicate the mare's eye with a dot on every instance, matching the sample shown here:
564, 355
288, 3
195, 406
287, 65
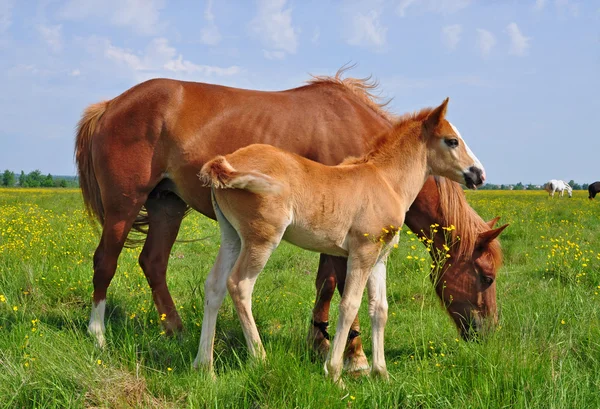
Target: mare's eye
487, 280
451, 142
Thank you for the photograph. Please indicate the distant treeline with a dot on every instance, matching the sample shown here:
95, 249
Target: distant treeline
37, 179
530, 186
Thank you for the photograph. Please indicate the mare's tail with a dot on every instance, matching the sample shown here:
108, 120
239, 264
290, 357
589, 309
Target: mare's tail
219, 174
83, 156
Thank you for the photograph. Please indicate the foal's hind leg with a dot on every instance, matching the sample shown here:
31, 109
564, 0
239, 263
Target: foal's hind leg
215, 289
118, 220
165, 213
253, 257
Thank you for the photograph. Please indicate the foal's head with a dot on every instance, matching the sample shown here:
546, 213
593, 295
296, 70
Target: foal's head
448, 154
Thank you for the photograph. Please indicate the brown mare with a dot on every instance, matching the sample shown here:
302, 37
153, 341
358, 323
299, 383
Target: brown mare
263, 195
138, 155
466, 284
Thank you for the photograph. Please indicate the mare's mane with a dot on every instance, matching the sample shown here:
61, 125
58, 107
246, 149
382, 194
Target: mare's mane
456, 211
363, 88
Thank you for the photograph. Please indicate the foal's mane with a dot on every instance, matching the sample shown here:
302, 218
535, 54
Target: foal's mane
456, 211
363, 88
383, 138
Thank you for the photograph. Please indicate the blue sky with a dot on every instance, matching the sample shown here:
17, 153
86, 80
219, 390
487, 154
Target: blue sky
523, 76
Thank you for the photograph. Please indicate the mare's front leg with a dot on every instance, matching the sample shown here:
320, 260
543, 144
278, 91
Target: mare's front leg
360, 263
318, 337
378, 312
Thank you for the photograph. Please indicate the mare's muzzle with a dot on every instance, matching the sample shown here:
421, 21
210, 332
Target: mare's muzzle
474, 177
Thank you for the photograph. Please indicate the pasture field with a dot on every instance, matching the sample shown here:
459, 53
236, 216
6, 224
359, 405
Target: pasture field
544, 354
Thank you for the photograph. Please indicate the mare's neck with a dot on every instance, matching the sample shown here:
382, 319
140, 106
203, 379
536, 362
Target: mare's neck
402, 161
423, 213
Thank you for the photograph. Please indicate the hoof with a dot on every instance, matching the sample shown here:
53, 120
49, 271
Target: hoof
357, 365
205, 369
318, 343
99, 339
380, 374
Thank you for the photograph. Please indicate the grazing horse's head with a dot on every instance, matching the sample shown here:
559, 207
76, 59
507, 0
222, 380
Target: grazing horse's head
449, 155
467, 286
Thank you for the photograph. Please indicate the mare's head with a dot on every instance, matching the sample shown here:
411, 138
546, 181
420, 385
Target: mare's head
466, 282
448, 154
467, 286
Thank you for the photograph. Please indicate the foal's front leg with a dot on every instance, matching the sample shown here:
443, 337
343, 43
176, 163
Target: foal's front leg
378, 312
359, 269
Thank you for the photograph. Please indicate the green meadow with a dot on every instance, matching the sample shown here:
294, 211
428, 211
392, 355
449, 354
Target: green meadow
545, 352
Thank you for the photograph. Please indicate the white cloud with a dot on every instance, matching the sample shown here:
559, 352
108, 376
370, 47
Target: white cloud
433, 6
75, 73
316, 35
142, 16
567, 6
273, 55
451, 35
208, 15
402, 6
210, 34
52, 35
158, 59
485, 41
367, 30
6, 7
273, 25
519, 44
540, 4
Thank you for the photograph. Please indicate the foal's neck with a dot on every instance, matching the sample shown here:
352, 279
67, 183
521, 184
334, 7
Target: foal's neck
402, 160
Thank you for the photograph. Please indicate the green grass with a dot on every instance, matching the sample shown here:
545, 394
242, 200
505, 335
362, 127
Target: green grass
545, 354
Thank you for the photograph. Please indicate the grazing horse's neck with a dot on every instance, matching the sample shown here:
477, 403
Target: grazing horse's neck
402, 160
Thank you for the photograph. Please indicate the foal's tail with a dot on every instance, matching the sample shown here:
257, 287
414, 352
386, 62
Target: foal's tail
83, 155
219, 174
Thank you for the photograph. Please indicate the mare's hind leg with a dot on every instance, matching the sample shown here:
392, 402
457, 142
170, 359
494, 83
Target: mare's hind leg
118, 220
165, 213
318, 337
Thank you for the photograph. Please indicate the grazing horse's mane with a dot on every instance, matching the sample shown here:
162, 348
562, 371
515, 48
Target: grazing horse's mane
363, 88
456, 211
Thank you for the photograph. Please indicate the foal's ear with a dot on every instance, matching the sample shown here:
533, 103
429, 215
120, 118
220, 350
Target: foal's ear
435, 116
492, 222
485, 238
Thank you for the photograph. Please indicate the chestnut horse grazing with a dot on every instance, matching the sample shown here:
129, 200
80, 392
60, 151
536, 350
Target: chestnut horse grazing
138, 155
262, 194
466, 283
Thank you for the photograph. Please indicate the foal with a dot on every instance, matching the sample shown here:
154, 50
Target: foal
262, 194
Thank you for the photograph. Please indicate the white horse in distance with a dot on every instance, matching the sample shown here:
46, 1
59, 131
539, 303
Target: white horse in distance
558, 185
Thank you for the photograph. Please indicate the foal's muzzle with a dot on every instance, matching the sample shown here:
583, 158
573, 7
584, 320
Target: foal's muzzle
474, 177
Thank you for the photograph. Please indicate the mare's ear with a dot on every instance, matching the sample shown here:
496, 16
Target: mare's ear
492, 222
435, 116
485, 238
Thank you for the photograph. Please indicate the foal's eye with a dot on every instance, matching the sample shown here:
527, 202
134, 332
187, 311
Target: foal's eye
487, 280
451, 142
